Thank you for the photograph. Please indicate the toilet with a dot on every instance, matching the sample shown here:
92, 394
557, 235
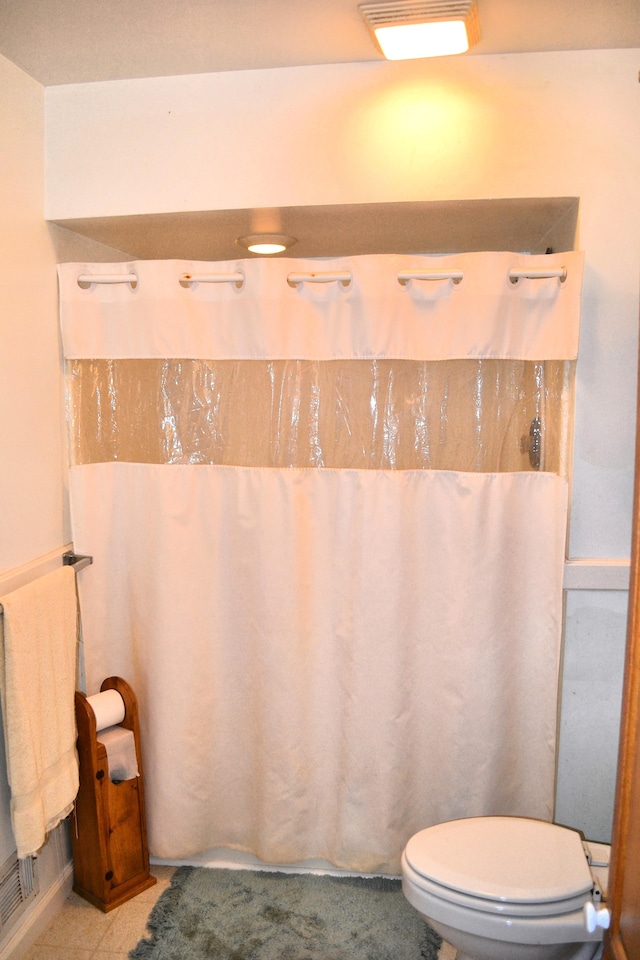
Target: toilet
509, 888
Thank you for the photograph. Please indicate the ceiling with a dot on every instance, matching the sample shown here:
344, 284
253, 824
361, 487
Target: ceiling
81, 41
532, 225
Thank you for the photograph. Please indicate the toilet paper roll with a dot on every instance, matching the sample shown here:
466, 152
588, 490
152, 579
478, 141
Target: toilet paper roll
108, 707
121, 753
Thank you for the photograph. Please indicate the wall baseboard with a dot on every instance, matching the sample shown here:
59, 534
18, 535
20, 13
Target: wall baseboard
36, 919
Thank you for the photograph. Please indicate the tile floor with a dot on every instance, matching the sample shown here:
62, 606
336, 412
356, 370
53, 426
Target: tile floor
82, 932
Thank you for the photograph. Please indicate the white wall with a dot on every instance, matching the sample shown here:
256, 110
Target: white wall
32, 478
529, 125
591, 695
32, 494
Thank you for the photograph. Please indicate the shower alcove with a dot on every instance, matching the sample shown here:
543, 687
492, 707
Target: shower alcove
308, 637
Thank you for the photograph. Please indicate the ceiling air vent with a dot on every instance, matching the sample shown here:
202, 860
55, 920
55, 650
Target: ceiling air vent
422, 27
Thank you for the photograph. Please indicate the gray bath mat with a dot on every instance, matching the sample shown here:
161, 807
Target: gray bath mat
247, 915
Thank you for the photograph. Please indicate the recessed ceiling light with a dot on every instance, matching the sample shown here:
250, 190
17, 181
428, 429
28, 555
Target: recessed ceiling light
409, 29
266, 243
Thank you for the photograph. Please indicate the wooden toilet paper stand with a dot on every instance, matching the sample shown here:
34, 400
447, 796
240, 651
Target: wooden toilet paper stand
108, 825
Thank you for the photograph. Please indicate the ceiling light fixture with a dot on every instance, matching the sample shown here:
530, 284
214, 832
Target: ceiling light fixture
266, 243
409, 29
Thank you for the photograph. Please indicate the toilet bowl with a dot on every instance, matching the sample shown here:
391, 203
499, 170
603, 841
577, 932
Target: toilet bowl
508, 888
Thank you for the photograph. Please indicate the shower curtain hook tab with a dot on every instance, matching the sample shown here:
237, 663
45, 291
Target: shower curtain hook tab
87, 280
405, 277
560, 274
343, 277
237, 278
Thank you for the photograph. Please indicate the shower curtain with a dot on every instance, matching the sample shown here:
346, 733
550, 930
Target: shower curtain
325, 555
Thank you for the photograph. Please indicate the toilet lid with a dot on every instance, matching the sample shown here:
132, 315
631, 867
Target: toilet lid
511, 859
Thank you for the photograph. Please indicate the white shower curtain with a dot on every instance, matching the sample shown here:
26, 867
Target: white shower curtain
327, 657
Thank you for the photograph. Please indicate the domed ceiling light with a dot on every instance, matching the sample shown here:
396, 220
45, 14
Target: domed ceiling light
411, 29
266, 243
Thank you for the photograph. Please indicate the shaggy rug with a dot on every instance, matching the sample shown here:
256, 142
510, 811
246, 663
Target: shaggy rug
247, 915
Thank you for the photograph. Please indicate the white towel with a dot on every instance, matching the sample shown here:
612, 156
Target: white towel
37, 684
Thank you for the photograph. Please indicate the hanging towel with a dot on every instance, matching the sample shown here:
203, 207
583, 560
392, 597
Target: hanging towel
37, 684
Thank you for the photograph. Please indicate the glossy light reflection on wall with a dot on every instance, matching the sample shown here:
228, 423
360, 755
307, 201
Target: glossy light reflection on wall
415, 130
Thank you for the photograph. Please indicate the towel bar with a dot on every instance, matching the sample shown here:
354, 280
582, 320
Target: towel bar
77, 560
70, 559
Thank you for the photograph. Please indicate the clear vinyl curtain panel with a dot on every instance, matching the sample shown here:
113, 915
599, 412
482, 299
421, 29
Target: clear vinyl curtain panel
328, 525
477, 415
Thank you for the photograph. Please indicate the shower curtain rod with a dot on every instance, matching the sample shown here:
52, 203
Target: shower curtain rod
70, 559
342, 276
